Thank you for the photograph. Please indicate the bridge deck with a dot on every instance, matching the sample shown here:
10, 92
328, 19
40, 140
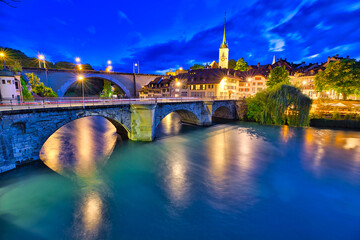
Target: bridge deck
10, 105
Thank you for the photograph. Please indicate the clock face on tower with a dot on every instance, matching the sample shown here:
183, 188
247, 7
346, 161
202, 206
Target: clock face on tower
222, 59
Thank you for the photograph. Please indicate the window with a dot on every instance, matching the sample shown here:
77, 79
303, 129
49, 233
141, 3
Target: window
16, 85
260, 83
197, 87
257, 78
13, 96
203, 87
3, 81
8, 81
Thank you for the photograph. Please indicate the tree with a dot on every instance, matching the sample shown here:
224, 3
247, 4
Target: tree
38, 87
278, 75
26, 94
33, 79
342, 76
107, 91
281, 104
232, 64
197, 66
16, 67
241, 65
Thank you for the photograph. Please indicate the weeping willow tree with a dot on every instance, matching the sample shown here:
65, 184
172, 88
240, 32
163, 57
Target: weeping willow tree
281, 104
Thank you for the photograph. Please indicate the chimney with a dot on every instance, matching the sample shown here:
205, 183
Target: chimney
258, 64
347, 57
285, 59
337, 55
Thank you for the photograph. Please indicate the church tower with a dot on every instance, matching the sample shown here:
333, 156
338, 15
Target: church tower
224, 51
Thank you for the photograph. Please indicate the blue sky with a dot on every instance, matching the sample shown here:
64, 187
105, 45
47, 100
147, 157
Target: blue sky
169, 34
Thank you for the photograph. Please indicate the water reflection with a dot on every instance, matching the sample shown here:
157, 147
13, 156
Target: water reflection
80, 147
320, 145
170, 125
177, 177
79, 150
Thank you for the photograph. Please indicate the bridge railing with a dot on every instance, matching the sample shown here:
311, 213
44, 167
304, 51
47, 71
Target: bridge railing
14, 104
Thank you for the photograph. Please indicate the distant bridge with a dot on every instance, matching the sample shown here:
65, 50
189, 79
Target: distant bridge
60, 79
24, 131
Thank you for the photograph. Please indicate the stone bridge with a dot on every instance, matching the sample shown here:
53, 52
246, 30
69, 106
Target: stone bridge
23, 132
60, 80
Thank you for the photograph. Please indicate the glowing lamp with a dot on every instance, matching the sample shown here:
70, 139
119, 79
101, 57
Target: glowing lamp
77, 59
80, 78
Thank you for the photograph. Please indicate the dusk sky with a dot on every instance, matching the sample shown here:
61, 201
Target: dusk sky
164, 35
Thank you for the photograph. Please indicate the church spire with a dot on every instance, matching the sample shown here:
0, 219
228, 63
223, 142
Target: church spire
273, 62
224, 43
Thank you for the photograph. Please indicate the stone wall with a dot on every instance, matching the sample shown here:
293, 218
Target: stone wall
23, 132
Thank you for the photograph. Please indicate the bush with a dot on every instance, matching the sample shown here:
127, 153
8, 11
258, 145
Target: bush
336, 116
281, 104
26, 94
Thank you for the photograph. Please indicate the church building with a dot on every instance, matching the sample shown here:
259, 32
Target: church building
224, 51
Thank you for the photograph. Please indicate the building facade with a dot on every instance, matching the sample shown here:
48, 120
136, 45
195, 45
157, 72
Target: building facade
224, 51
10, 86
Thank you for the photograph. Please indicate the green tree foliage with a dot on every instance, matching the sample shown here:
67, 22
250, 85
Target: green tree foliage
26, 94
241, 65
197, 66
64, 65
342, 76
232, 64
107, 91
16, 67
38, 87
278, 75
281, 104
13, 55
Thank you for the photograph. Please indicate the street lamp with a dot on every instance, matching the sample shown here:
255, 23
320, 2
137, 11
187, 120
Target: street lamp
178, 84
41, 58
2, 55
77, 60
81, 78
109, 62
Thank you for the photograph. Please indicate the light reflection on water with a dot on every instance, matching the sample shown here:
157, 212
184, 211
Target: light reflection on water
233, 181
79, 150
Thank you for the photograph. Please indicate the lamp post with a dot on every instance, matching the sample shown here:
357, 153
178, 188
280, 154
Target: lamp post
136, 65
78, 60
81, 78
2, 55
41, 58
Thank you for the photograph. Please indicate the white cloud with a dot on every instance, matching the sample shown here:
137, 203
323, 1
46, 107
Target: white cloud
354, 7
290, 15
162, 72
123, 16
321, 26
313, 56
294, 36
276, 45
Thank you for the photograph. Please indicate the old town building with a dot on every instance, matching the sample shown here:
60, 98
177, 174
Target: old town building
10, 86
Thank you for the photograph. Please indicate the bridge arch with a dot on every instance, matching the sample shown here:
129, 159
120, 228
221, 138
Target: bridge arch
63, 89
187, 114
48, 130
224, 110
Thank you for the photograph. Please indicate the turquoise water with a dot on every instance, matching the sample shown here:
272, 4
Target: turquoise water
228, 181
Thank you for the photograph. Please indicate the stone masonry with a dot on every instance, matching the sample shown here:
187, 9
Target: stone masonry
23, 132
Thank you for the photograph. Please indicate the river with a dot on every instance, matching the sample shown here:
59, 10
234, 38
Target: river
229, 181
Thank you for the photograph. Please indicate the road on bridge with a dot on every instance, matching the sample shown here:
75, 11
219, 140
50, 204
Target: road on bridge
9, 105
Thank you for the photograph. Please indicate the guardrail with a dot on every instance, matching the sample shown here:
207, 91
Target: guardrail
13, 104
